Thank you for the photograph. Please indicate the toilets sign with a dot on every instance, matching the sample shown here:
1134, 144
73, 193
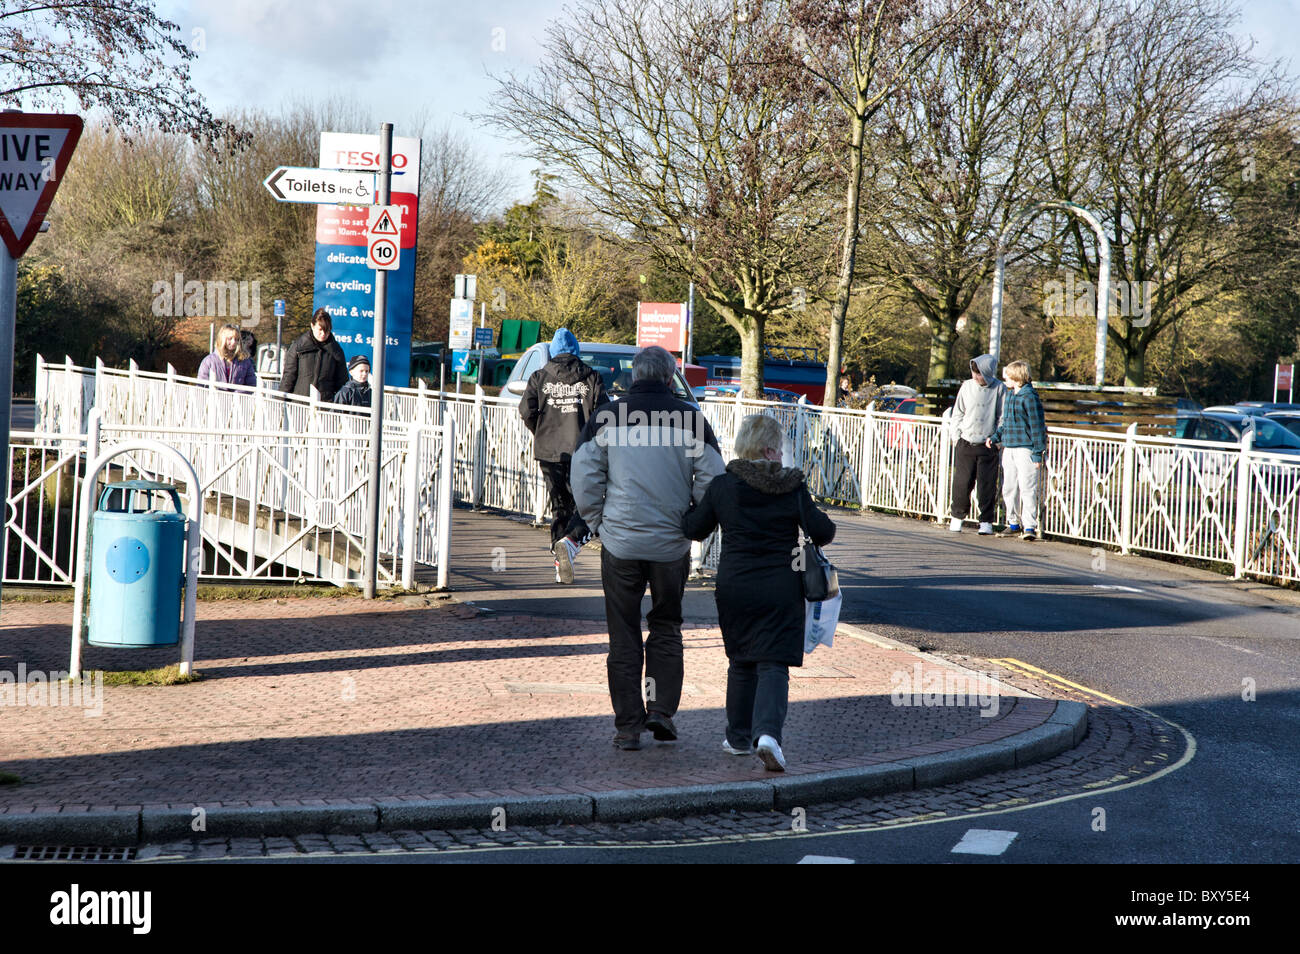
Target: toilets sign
34, 153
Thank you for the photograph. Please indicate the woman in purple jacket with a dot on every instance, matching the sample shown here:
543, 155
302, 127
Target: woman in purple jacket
229, 364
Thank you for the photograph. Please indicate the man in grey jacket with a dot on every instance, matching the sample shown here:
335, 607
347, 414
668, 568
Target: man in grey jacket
975, 417
639, 464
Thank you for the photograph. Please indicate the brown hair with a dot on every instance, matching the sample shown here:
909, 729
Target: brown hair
323, 317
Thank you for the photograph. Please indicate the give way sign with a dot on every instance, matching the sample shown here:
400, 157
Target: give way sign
34, 153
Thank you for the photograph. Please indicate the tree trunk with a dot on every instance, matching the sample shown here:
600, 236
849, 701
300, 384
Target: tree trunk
943, 332
848, 255
1135, 363
751, 358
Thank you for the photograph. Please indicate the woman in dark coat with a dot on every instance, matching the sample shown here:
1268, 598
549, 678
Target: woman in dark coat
760, 506
316, 358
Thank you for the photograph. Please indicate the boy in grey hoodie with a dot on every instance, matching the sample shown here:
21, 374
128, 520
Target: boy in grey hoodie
975, 417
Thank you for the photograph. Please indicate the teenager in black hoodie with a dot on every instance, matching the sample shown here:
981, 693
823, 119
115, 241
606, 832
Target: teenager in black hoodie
559, 399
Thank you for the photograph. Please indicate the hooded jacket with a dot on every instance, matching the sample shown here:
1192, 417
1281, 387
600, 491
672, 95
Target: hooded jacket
557, 403
979, 407
640, 463
760, 506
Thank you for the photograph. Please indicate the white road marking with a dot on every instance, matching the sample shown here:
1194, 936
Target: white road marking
1115, 586
825, 860
984, 841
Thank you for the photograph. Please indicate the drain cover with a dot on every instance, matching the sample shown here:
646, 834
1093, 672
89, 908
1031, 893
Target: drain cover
72, 853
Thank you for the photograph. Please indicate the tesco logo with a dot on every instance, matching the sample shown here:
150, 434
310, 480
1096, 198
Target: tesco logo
365, 159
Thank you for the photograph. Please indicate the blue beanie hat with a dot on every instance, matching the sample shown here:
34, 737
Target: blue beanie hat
564, 343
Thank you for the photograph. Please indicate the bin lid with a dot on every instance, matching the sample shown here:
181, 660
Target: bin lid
140, 485
127, 490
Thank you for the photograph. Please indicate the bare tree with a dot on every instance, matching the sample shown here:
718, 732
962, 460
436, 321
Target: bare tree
862, 50
120, 57
691, 127
954, 164
1181, 102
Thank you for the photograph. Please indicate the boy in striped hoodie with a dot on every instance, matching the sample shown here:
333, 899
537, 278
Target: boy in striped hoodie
1022, 433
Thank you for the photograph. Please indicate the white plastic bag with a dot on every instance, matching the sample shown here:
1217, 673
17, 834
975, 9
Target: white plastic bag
819, 622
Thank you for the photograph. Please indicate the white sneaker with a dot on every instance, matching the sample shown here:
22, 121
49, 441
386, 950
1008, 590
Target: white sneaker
769, 750
986, 529
955, 525
566, 552
732, 750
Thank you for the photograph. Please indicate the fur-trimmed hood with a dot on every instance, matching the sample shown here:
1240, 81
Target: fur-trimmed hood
767, 476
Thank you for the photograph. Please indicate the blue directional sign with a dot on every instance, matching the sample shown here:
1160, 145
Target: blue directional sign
483, 337
459, 362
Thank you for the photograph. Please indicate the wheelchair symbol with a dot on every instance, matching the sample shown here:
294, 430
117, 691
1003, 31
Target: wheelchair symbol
361, 190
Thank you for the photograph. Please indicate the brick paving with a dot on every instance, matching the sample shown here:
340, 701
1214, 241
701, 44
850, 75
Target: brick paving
337, 700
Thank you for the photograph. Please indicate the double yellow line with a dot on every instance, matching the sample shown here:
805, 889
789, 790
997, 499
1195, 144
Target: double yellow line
1028, 670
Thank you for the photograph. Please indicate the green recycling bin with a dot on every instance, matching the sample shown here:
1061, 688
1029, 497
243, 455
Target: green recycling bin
137, 568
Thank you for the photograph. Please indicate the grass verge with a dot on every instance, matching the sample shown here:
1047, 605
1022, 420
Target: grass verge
165, 676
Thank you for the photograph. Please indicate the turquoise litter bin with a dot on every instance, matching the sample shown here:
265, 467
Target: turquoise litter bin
137, 567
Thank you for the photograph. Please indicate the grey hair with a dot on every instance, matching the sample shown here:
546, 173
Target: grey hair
757, 433
653, 364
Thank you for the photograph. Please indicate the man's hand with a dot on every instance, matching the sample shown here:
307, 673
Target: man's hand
988, 442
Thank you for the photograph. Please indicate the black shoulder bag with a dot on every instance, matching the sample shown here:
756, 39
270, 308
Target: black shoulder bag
821, 581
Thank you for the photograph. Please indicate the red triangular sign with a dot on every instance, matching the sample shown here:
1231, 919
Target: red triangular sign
384, 225
34, 153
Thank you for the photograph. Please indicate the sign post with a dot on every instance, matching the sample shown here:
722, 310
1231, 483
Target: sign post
1284, 377
279, 327
382, 221
34, 153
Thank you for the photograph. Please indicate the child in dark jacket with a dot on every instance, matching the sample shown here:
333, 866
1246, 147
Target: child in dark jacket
1023, 436
356, 393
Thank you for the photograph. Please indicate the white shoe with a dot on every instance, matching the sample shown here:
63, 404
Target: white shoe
769, 750
986, 529
955, 524
732, 750
566, 552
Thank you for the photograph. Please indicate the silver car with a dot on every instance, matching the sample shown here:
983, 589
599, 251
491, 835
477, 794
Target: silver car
613, 361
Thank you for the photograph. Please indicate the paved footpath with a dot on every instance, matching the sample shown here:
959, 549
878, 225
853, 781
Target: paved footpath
338, 715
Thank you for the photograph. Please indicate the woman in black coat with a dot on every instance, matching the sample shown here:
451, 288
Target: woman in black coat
760, 506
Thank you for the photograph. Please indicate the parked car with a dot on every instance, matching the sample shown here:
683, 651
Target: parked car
895, 399
1225, 427
613, 361
1288, 419
730, 390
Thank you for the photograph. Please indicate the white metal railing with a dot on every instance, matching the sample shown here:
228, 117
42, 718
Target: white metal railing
283, 478
1230, 505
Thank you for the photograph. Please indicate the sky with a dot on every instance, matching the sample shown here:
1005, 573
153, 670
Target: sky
400, 60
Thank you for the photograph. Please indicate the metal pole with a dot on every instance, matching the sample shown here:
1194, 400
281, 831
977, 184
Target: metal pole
279, 362
371, 563
1103, 301
995, 322
690, 326
8, 322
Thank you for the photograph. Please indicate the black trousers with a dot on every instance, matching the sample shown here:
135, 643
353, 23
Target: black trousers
758, 695
625, 584
565, 520
975, 467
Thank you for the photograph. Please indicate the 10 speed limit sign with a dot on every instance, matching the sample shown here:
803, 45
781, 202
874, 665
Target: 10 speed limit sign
384, 237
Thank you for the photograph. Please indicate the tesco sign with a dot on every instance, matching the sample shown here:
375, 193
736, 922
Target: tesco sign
358, 151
